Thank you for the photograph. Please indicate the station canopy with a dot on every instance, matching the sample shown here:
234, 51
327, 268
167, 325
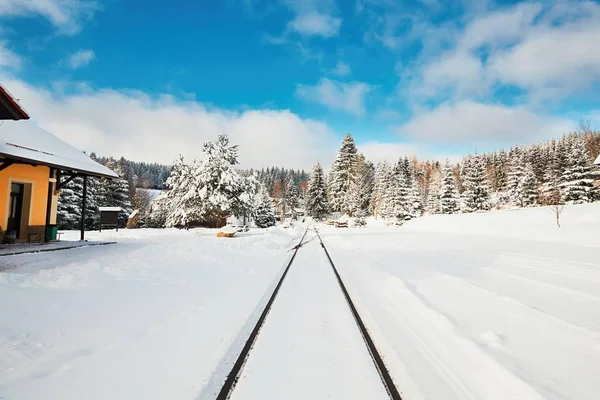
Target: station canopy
27, 143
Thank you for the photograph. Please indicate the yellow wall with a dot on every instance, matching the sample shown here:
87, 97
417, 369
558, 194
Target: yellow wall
38, 177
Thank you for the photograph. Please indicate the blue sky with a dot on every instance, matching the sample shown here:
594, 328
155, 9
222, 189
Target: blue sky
287, 79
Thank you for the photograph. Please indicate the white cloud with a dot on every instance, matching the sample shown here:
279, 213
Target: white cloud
316, 24
341, 69
7, 57
80, 58
313, 17
458, 73
557, 60
347, 97
63, 14
140, 127
499, 27
474, 123
544, 49
388, 114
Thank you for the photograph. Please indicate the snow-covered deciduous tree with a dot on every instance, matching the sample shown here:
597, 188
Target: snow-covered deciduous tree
343, 173
476, 194
449, 203
264, 216
577, 182
316, 193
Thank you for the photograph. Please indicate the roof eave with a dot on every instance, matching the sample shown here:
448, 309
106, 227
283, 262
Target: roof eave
62, 167
13, 107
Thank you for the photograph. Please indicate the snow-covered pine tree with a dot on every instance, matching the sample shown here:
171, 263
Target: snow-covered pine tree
183, 200
316, 193
516, 175
527, 189
94, 199
354, 198
399, 193
343, 172
69, 205
221, 189
379, 188
498, 172
389, 187
476, 194
264, 216
448, 194
412, 200
291, 193
551, 193
433, 192
366, 175
116, 192
206, 192
578, 186
538, 161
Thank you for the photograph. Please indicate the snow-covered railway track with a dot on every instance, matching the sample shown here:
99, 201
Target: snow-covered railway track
234, 374
382, 369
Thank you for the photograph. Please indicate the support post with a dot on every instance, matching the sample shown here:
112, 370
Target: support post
83, 204
49, 203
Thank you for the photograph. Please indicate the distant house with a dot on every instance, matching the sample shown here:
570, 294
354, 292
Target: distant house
35, 165
296, 211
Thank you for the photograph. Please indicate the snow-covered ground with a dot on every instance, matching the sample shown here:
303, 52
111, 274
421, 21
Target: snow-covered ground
503, 305
500, 305
152, 317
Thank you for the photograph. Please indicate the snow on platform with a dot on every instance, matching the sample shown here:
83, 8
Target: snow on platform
310, 346
152, 317
24, 248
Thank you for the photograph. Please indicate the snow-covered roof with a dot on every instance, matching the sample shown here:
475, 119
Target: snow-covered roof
295, 210
152, 193
110, 209
597, 162
25, 141
162, 196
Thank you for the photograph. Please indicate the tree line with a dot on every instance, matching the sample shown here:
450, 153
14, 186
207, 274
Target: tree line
558, 171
